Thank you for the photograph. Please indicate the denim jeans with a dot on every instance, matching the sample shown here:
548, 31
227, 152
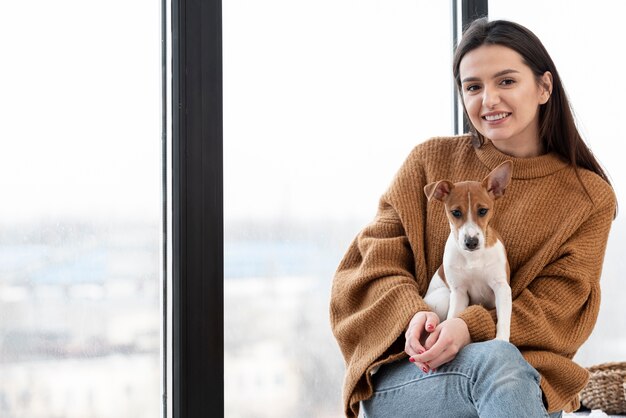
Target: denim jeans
488, 380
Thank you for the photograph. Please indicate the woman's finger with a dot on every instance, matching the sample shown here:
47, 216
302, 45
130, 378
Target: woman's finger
432, 320
419, 365
413, 346
444, 357
433, 352
432, 338
415, 333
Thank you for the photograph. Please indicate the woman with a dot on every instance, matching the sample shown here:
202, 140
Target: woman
554, 221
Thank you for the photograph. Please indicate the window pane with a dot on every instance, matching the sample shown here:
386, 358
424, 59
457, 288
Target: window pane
322, 103
585, 44
80, 176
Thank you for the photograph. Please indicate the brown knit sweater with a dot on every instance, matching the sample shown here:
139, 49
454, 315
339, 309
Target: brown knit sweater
555, 234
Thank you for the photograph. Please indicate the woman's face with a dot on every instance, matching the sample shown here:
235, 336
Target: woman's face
502, 98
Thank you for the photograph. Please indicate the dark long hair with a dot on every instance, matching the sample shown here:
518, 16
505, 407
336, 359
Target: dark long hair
557, 128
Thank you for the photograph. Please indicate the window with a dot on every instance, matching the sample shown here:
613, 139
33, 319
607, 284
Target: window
322, 103
80, 234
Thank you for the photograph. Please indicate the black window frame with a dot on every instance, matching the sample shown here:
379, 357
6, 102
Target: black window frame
197, 210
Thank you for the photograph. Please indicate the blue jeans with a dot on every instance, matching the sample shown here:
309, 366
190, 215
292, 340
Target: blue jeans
488, 380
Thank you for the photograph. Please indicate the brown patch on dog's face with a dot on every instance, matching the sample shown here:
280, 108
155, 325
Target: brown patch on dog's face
469, 206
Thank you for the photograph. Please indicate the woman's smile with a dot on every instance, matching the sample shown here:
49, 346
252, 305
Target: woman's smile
496, 117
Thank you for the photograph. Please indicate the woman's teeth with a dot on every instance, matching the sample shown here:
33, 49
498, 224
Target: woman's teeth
499, 116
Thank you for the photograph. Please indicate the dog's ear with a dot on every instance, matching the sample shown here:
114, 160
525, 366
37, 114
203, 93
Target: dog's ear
498, 180
438, 190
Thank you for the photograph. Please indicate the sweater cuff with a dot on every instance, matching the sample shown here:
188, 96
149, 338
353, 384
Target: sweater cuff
480, 323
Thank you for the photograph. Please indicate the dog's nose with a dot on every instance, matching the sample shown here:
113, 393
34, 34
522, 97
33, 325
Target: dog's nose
471, 243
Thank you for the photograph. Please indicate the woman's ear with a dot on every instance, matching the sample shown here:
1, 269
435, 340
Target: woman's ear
546, 87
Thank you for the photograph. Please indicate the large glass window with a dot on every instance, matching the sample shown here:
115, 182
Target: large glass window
80, 221
322, 103
585, 44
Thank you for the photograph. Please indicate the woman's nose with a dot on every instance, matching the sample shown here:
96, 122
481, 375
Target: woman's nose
490, 98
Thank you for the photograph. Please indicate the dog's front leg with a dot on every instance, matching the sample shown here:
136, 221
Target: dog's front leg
459, 300
504, 306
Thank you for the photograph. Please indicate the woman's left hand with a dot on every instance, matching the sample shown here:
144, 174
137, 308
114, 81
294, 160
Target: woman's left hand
444, 343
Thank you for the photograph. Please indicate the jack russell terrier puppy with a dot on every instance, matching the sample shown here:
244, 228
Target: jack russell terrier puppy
475, 268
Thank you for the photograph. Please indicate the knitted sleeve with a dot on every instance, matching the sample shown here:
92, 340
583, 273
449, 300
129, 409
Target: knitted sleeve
557, 311
374, 293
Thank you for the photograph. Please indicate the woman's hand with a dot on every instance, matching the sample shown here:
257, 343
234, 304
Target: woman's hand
430, 347
420, 328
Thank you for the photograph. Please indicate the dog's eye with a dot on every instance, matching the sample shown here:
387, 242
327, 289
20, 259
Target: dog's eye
482, 212
456, 213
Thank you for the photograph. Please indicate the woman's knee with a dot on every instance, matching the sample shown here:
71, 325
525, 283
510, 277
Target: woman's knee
497, 357
502, 379
493, 349
496, 351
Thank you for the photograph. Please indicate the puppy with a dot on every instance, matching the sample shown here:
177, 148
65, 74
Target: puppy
475, 268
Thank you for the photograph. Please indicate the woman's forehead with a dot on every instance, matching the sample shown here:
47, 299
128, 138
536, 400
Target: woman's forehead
491, 61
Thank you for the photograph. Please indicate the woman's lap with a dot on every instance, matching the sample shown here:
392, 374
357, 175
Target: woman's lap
489, 379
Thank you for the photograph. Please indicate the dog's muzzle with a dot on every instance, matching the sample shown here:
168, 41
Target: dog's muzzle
471, 243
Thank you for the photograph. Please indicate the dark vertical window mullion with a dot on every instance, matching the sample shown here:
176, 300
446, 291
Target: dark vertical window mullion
197, 210
470, 11
164, 206
455, 40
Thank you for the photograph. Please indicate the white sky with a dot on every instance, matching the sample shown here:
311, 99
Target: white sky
79, 110
323, 101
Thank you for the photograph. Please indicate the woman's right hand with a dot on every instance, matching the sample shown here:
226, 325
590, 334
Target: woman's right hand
420, 327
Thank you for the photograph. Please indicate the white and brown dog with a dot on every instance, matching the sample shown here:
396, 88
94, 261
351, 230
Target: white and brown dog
475, 268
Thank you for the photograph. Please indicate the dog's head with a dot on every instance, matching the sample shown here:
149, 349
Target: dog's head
469, 204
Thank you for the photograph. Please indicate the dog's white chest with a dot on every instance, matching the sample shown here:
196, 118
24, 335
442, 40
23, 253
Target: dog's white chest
475, 273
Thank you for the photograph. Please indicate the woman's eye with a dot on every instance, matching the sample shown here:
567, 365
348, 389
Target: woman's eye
472, 87
456, 213
482, 212
507, 81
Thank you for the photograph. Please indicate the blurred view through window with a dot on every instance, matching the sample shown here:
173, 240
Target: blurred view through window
323, 100
80, 176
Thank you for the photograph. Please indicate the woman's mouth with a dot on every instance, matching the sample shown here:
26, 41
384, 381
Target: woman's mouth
494, 117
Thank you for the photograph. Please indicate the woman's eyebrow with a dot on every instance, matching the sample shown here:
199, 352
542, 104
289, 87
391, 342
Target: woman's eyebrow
504, 72
496, 75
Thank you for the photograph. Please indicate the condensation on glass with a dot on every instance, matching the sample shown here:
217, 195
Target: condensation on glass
80, 243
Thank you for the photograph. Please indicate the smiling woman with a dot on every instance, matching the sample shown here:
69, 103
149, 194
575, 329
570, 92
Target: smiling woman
555, 224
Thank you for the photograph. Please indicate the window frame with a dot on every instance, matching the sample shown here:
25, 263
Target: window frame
197, 350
